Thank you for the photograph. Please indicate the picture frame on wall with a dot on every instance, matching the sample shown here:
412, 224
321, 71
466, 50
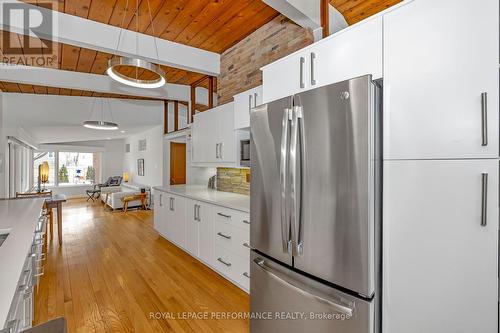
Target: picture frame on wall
140, 167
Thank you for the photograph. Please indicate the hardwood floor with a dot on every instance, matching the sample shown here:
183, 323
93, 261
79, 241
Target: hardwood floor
114, 273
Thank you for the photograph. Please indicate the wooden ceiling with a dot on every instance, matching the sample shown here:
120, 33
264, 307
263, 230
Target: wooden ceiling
213, 25
357, 10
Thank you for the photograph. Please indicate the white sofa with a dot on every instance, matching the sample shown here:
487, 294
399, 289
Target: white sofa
112, 195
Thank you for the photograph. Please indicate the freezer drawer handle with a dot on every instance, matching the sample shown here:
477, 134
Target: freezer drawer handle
228, 264
484, 199
338, 307
224, 215
484, 118
222, 235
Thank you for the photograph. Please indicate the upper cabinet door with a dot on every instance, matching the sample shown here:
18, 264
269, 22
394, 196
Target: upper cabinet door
351, 53
440, 247
226, 133
243, 102
441, 80
285, 77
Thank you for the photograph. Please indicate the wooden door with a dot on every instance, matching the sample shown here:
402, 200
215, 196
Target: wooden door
177, 163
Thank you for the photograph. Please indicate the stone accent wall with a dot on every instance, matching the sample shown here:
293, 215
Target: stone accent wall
233, 180
240, 64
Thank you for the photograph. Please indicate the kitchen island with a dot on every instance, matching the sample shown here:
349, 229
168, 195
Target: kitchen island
19, 219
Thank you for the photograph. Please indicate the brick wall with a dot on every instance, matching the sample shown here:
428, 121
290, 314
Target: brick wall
240, 64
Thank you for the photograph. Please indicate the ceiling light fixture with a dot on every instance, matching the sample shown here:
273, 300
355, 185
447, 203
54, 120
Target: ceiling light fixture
136, 72
101, 124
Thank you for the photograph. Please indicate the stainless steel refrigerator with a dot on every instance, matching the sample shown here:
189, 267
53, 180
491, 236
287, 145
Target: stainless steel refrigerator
315, 210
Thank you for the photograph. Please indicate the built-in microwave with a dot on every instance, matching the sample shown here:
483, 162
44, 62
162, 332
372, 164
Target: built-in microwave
245, 153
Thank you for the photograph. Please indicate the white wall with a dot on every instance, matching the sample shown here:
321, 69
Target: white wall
153, 157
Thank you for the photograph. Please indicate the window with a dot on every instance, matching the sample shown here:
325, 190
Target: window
39, 158
69, 168
78, 168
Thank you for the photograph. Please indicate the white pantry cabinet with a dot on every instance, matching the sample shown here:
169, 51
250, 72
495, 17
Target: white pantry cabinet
440, 246
199, 230
213, 136
243, 102
352, 52
441, 80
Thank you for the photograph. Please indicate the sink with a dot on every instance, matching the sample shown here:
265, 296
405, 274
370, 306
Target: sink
3, 237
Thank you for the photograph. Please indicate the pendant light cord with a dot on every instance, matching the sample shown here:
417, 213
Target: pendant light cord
153, 30
121, 26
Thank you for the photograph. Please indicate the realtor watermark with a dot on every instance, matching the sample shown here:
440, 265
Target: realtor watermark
265, 315
29, 35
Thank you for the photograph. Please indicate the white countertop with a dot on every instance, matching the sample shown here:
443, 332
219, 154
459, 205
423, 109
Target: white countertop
202, 193
21, 217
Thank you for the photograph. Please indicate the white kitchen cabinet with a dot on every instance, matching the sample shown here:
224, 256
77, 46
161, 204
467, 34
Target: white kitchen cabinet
440, 247
439, 58
352, 52
175, 219
243, 102
199, 230
214, 137
158, 211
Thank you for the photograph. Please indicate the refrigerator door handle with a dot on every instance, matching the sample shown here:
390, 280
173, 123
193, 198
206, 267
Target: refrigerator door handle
302, 150
285, 220
344, 309
294, 191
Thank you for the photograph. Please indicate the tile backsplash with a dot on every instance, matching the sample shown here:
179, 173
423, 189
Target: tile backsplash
233, 180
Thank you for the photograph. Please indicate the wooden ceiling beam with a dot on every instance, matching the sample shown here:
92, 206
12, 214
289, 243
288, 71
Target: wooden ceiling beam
81, 32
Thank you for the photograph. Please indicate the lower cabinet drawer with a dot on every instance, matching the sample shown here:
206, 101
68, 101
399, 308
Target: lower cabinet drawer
233, 239
234, 267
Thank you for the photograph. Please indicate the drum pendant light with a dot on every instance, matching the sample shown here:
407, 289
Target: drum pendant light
101, 124
136, 72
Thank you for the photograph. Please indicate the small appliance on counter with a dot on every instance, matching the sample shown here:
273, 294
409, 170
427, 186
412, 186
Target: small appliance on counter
212, 182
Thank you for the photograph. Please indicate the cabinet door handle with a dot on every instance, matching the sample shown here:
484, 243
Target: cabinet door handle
245, 274
484, 118
224, 215
313, 80
484, 199
246, 245
221, 154
228, 264
216, 150
254, 99
161, 204
301, 72
194, 212
224, 236
198, 213
246, 221
249, 102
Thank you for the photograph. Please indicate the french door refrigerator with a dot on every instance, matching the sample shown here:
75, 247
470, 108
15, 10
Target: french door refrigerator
315, 211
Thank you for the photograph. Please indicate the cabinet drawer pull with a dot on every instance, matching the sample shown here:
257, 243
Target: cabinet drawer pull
484, 199
246, 245
228, 264
301, 72
222, 235
245, 274
484, 119
246, 221
224, 215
